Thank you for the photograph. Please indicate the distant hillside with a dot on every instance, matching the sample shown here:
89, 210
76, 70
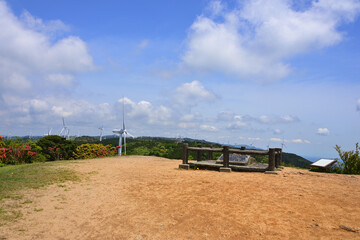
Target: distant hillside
291, 159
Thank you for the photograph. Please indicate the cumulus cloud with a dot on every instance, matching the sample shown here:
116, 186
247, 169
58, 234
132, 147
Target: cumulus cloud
297, 140
274, 120
323, 132
48, 111
254, 139
277, 131
275, 140
38, 25
208, 128
190, 94
256, 38
144, 111
29, 54
237, 125
266, 119
225, 116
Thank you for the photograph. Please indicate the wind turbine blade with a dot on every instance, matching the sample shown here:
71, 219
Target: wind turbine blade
130, 135
61, 131
124, 113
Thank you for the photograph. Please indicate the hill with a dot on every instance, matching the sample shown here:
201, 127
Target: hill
293, 160
172, 148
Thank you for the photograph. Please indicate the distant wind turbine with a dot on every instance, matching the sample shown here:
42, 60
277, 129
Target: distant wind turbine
48, 132
101, 131
283, 144
65, 131
122, 133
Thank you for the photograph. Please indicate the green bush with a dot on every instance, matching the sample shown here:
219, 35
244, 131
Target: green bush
16, 151
350, 160
56, 148
86, 151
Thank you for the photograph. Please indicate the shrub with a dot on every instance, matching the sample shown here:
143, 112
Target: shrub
350, 160
16, 152
86, 151
56, 148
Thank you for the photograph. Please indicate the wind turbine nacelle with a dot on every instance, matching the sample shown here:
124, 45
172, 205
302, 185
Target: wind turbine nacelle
117, 131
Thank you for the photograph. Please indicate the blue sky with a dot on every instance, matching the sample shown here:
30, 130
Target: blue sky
246, 72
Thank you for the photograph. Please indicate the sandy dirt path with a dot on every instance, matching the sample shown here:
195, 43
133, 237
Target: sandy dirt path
150, 198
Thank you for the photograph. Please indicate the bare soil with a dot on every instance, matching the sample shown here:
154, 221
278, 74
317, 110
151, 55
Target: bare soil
150, 198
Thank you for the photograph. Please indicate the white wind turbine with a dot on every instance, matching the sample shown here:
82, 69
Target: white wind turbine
122, 133
101, 131
65, 131
283, 144
48, 132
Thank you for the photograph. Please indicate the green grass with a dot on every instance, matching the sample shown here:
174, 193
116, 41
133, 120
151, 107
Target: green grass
17, 178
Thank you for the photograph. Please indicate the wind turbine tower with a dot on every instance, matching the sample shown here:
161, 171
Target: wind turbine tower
122, 133
101, 131
283, 144
65, 131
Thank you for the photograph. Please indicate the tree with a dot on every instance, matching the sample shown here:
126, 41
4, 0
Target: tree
351, 160
55, 147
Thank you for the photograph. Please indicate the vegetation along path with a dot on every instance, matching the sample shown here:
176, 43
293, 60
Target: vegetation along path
150, 198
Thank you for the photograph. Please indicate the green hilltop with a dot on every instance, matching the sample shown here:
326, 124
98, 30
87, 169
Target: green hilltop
172, 148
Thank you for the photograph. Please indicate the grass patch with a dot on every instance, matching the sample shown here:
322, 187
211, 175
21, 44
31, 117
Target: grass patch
16, 178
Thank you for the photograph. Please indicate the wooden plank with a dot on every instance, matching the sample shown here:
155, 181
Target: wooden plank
226, 156
205, 149
259, 152
271, 159
185, 153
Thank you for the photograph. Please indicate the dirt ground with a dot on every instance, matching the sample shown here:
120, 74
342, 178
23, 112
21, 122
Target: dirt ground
150, 198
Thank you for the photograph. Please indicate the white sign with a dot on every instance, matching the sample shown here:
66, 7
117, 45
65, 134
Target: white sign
323, 163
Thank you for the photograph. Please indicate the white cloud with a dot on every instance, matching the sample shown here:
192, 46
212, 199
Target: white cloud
208, 128
266, 119
255, 39
215, 7
189, 94
275, 140
358, 105
29, 56
60, 79
142, 45
323, 132
187, 117
38, 25
254, 139
237, 125
297, 141
277, 131
225, 116
145, 112
187, 125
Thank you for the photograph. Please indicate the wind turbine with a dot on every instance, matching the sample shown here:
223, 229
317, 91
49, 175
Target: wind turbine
65, 130
283, 144
101, 132
122, 133
48, 132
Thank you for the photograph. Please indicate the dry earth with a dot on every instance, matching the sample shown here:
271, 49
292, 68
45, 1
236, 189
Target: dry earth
150, 198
